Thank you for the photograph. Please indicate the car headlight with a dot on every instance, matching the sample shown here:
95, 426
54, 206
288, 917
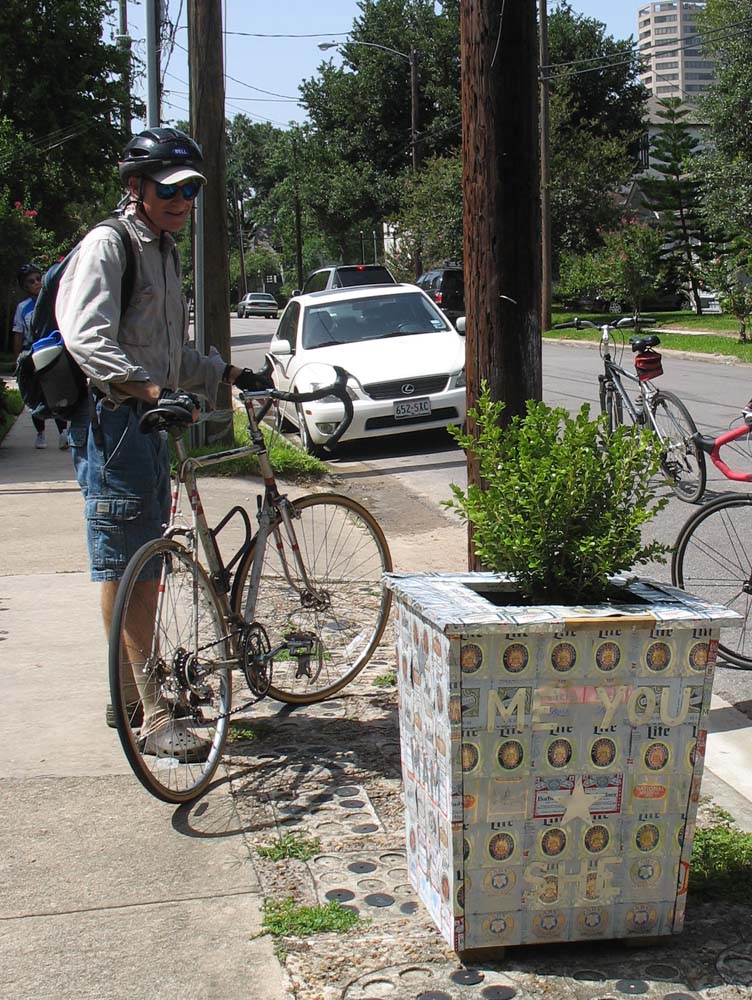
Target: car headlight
332, 399
459, 380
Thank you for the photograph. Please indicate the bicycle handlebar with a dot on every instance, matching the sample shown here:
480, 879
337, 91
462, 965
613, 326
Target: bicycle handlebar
338, 388
620, 324
164, 418
712, 446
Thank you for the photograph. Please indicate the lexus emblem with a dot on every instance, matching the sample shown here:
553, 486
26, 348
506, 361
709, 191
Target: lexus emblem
408, 389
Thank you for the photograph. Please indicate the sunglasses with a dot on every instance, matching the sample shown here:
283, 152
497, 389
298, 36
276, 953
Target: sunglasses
188, 190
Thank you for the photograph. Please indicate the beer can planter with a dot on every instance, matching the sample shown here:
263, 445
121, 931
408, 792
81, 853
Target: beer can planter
551, 756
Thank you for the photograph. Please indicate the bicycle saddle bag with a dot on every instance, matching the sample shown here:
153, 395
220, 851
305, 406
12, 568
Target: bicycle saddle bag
648, 364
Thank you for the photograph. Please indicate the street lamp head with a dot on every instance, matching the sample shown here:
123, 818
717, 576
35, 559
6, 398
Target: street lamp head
328, 45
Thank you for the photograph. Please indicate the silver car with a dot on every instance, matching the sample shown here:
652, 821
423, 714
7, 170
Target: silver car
258, 304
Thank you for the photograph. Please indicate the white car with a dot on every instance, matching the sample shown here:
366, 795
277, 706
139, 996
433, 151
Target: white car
404, 359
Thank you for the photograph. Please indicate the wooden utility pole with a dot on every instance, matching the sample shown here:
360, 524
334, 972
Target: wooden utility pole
124, 41
207, 103
545, 170
501, 190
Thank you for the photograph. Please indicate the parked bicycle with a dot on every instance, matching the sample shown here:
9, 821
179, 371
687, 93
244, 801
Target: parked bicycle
683, 462
713, 553
298, 609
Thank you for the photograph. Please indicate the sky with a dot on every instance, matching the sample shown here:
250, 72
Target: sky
254, 64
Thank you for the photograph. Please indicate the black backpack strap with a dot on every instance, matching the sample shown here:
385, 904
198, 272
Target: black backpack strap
129, 275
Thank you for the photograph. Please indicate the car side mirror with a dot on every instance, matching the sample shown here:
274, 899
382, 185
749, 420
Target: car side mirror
460, 325
295, 291
280, 347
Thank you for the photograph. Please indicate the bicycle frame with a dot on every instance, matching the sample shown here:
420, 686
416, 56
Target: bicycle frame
273, 509
614, 372
712, 446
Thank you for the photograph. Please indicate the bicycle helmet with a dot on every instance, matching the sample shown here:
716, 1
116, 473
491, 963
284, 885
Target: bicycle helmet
165, 154
25, 270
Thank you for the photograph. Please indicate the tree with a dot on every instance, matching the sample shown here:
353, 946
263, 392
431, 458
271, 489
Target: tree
432, 212
676, 193
630, 265
730, 273
596, 112
727, 161
60, 86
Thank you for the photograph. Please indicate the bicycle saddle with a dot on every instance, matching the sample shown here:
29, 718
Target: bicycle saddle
642, 343
161, 418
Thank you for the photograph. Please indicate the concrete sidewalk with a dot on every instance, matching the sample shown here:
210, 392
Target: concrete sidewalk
107, 893
111, 894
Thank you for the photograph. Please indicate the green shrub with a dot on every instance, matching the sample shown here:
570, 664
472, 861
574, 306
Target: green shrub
563, 501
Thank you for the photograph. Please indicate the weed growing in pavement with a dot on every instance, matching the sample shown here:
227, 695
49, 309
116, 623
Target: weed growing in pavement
283, 917
721, 866
291, 845
242, 733
385, 680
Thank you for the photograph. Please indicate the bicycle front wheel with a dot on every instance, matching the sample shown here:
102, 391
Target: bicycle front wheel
683, 461
713, 559
611, 404
343, 614
170, 685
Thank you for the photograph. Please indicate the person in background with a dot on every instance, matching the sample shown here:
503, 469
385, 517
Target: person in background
30, 280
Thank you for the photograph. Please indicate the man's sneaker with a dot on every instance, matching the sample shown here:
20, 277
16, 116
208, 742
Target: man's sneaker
135, 712
63, 441
40, 441
177, 738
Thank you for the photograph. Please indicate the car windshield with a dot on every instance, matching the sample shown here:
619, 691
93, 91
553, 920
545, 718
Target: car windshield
261, 298
350, 321
349, 276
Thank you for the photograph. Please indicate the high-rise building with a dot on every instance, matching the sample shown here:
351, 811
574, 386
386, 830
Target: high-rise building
670, 48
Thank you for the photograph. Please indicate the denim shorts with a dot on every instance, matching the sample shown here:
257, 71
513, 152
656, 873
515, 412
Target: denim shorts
125, 481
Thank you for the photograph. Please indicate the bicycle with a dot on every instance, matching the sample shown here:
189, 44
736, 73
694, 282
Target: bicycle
298, 609
683, 462
713, 553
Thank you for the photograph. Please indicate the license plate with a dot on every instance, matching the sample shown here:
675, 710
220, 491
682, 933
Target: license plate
411, 408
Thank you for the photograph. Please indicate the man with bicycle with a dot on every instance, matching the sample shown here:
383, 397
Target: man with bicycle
135, 361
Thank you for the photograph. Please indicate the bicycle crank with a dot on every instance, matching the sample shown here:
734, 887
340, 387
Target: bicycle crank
255, 661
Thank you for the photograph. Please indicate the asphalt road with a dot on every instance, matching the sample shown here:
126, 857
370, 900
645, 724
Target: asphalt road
426, 463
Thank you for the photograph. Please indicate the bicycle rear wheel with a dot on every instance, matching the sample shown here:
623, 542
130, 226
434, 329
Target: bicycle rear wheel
684, 462
713, 559
343, 618
169, 681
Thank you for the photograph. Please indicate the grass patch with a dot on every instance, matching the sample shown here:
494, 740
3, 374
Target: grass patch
291, 845
721, 865
242, 733
287, 460
11, 405
385, 680
283, 917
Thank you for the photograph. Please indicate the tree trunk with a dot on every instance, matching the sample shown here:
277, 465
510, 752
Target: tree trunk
502, 237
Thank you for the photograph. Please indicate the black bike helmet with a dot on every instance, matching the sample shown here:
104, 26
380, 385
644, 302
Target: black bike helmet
25, 270
156, 149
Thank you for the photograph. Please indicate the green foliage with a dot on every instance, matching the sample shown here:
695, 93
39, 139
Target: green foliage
730, 274
562, 501
721, 865
676, 193
631, 264
286, 917
727, 157
11, 405
431, 214
385, 680
596, 121
291, 845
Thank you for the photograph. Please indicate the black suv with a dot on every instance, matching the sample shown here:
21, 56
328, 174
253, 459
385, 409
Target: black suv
446, 286
346, 276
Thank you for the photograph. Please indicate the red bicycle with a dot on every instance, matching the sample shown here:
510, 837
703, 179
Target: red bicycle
713, 553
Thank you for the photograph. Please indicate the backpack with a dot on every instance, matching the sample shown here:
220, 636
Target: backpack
53, 384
